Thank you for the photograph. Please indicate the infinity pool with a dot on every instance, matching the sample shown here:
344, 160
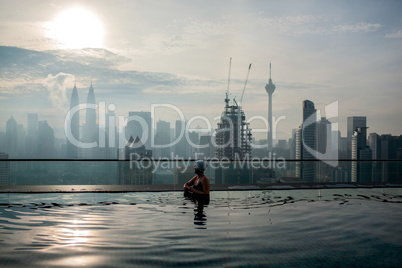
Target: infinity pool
295, 228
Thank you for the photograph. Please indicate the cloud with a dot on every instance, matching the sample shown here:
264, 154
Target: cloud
397, 34
90, 57
359, 27
56, 86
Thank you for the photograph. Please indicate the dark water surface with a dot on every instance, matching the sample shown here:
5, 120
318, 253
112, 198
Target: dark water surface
295, 228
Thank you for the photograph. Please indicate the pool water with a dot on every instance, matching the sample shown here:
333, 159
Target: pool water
294, 228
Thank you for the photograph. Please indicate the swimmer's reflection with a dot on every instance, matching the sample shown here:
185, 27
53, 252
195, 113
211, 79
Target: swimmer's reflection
197, 190
200, 220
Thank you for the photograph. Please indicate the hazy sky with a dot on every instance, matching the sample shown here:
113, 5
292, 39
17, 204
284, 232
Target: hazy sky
177, 52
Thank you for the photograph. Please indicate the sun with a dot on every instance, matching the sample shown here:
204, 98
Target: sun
76, 28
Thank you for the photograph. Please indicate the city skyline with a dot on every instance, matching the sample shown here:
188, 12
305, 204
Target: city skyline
179, 58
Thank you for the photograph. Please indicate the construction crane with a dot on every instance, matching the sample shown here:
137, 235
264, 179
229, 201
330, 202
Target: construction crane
227, 92
245, 84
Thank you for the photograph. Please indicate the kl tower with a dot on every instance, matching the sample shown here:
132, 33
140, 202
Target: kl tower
270, 88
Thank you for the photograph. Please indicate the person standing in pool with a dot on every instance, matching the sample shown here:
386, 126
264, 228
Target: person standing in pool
197, 189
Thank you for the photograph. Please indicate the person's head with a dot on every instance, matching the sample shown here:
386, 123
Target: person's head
199, 167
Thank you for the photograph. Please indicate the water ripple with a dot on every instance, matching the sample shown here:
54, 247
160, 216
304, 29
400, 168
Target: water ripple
258, 228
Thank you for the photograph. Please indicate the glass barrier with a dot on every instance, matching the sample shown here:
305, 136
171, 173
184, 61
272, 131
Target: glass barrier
163, 173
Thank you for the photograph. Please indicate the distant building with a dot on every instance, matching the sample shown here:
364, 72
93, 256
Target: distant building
306, 137
233, 136
324, 145
90, 129
31, 141
323, 135
194, 140
183, 174
3, 144
354, 122
4, 170
140, 126
361, 171
135, 172
72, 150
32, 124
45, 140
11, 138
387, 147
340, 174
162, 138
112, 139
365, 168
233, 139
343, 148
180, 148
20, 141
209, 150
270, 88
282, 144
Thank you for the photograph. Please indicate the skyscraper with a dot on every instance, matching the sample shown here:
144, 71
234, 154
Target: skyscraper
180, 148
233, 141
162, 138
72, 150
45, 140
90, 117
233, 136
11, 137
309, 128
209, 150
306, 138
21, 140
31, 141
353, 123
136, 173
361, 171
134, 127
389, 146
374, 143
323, 135
90, 129
111, 136
32, 124
194, 138
270, 88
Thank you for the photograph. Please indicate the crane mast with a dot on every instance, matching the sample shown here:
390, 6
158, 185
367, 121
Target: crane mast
245, 83
227, 92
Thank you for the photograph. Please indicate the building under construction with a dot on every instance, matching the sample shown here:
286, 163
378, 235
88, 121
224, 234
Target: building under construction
233, 136
233, 141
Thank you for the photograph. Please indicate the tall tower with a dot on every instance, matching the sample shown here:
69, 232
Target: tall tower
270, 88
306, 136
162, 137
72, 150
354, 122
11, 137
90, 117
135, 128
361, 171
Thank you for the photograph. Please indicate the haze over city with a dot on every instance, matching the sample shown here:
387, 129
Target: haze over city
138, 53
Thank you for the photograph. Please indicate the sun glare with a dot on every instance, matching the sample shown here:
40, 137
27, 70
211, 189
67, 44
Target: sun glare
76, 28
